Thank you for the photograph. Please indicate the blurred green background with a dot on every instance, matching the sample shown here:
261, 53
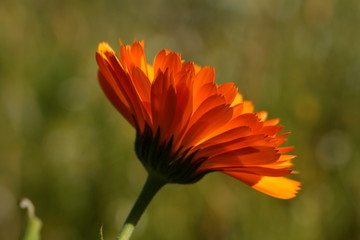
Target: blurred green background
65, 147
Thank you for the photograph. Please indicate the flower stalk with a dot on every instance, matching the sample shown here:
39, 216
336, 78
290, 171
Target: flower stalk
151, 187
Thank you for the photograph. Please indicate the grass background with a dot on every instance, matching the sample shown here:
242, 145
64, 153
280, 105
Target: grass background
65, 147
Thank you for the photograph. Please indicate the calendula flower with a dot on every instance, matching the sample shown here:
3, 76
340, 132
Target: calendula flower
187, 126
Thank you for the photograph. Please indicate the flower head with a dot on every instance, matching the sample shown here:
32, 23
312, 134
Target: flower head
188, 126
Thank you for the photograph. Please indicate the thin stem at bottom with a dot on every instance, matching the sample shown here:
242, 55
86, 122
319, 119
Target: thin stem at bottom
151, 187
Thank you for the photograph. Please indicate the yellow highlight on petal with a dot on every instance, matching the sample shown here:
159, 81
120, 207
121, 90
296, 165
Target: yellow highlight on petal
104, 47
279, 187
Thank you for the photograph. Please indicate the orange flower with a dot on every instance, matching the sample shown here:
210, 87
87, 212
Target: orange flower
188, 126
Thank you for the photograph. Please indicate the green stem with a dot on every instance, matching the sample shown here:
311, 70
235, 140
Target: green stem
33, 223
151, 187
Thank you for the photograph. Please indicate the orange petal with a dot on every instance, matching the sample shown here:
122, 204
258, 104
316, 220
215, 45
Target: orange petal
285, 149
248, 107
244, 157
204, 77
183, 110
283, 162
262, 115
200, 95
141, 83
163, 102
247, 119
167, 60
279, 187
272, 122
134, 55
237, 100
226, 137
208, 150
206, 124
229, 91
209, 103
264, 171
116, 98
271, 130
109, 64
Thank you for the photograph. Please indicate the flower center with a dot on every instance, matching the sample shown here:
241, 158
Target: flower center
160, 159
